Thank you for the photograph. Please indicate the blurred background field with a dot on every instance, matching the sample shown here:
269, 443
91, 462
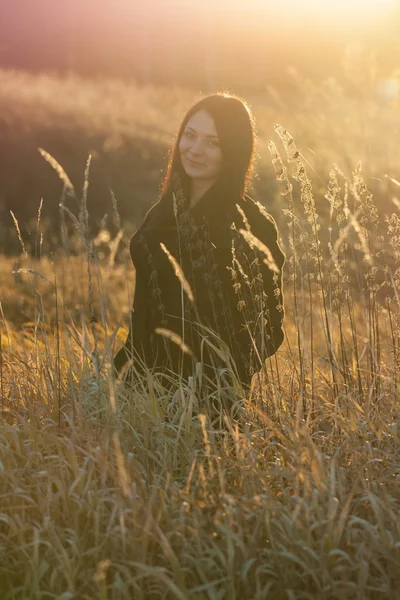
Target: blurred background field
163, 490
115, 79
128, 129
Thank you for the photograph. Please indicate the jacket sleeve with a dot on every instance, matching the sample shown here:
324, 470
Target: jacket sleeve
136, 347
264, 228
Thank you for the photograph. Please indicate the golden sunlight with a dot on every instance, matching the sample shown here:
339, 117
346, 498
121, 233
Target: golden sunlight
341, 7
335, 15
292, 9
331, 9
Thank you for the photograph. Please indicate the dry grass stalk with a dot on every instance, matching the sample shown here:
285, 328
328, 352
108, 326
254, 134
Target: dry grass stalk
179, 273
69, 188
175, 338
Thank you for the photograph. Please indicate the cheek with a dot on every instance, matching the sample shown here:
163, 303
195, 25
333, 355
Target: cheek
218, 159
183, 145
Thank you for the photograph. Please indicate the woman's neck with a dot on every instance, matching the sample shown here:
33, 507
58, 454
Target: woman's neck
198, 189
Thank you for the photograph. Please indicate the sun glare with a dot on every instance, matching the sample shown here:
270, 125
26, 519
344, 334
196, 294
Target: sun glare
333, 14
331, 9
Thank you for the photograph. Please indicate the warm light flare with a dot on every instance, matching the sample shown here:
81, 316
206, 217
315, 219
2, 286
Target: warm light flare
363, 7
290, 9
360, 9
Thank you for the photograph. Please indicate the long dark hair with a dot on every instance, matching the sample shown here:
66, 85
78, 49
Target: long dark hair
235, 128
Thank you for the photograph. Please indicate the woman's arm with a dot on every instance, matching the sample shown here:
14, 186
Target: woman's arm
259, 297
136, 347
264, 228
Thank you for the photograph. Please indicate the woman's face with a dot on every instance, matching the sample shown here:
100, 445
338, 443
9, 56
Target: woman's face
199, 148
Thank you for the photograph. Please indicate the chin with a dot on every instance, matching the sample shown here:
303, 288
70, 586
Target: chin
192, 172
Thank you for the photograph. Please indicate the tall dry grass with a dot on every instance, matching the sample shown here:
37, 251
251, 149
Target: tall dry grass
159, 490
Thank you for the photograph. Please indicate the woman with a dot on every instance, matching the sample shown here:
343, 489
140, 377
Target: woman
235, 318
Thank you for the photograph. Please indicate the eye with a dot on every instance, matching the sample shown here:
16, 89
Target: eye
214, 143
188, 134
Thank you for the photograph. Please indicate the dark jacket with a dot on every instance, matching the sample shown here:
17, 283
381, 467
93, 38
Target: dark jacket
236, 294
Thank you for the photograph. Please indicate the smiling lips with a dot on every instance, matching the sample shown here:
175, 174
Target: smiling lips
196, 164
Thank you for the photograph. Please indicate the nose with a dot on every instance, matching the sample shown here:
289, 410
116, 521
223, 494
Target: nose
196, 147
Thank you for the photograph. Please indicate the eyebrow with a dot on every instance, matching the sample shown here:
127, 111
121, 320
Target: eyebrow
209, 136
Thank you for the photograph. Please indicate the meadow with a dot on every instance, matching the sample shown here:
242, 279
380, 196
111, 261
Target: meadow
169, 489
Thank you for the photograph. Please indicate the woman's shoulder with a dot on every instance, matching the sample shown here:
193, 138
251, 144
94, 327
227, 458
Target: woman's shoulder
137, 238
147, 219
150, 214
